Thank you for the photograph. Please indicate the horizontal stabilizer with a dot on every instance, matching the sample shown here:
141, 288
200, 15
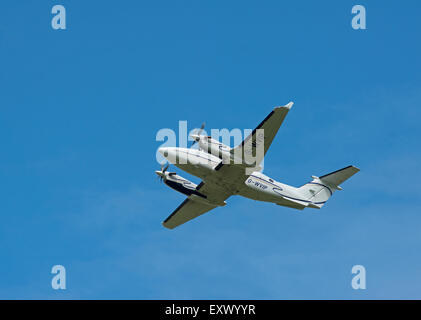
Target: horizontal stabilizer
320, 189
337, 177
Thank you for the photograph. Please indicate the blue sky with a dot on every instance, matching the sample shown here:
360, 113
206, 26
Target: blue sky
80, 109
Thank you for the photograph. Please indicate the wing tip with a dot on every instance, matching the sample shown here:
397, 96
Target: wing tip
165, 225
356, 168
288, 106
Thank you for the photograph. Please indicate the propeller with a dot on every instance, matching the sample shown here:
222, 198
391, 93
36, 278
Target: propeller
161, 173
196, 136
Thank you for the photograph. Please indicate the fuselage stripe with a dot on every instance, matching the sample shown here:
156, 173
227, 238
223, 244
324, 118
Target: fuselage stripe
283, 195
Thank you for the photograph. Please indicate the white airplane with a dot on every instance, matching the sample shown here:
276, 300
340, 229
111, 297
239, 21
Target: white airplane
224, 173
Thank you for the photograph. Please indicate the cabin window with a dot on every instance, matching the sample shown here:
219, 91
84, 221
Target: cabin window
270, 180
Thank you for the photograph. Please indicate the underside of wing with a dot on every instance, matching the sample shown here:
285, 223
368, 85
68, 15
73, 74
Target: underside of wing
233, 175
195, 206
186, 211
253, 149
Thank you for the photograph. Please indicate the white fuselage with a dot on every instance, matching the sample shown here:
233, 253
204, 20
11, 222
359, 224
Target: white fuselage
256, 186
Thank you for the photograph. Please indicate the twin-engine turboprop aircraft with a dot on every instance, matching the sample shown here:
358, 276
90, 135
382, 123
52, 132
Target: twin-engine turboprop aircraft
229, 171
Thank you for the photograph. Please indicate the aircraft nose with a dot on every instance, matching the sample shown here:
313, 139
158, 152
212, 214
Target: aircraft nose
164, 151
169, 153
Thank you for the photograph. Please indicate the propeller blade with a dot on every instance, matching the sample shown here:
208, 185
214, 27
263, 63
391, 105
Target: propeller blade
201, 128
166, 168
161, 173
198, 134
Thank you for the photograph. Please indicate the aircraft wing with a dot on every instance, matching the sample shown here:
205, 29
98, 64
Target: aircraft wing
258, 142
195, 206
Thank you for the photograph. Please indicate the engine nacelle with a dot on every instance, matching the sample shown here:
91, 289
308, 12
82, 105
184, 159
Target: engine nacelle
215, 148
181, 184
186, 187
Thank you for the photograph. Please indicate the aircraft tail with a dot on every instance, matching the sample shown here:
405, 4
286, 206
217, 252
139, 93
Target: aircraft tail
320, 189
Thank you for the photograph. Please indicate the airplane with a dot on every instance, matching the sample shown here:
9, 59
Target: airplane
227, 171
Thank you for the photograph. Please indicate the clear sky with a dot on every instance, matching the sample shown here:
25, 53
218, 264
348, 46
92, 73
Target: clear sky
79, 113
